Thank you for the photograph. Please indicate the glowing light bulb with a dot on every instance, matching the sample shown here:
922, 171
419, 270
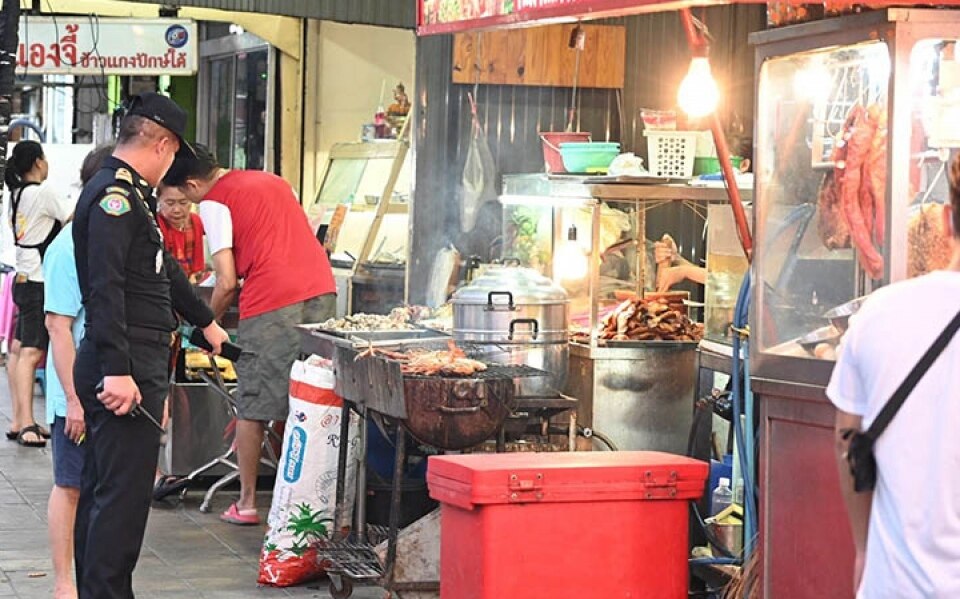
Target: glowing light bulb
570, 261
698, 95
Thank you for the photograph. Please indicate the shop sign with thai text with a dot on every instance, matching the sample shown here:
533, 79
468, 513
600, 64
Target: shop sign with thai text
88, 45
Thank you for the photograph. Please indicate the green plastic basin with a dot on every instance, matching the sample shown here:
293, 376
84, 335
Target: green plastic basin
588, 157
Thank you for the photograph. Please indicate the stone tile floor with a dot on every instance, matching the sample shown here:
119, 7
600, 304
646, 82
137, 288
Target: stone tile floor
186, 554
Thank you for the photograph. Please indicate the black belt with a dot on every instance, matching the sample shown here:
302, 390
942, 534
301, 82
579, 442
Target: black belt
150, 335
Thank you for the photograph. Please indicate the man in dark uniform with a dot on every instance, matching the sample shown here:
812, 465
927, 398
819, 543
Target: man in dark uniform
131, 288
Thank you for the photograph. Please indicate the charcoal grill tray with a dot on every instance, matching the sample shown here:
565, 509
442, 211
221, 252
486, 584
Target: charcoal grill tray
377, 382
493, 371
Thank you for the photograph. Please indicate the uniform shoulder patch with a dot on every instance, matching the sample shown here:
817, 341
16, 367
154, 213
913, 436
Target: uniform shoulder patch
124, 175
117, 189
115, 204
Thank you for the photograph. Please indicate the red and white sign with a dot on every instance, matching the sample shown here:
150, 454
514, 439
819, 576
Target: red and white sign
89, 45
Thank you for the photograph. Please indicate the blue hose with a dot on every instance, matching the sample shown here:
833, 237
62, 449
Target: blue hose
740, 389
714, 561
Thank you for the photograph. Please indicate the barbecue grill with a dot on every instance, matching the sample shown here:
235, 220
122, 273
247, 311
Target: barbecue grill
446, 412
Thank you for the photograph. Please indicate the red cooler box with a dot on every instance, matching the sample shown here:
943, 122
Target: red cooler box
589, 525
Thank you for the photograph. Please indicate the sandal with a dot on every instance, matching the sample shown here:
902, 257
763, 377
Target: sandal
33, 428
235, 515
15, 435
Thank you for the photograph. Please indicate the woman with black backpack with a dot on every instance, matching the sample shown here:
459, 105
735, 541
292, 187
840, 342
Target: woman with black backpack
37, 214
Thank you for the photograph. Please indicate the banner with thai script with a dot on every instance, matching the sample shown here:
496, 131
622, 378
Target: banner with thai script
88, 45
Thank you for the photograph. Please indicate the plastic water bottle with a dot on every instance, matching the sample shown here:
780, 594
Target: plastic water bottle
722, 496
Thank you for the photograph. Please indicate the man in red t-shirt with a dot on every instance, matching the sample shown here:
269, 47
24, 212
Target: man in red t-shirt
258, 232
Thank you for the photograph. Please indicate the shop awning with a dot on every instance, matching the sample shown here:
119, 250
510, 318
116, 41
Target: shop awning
385, 13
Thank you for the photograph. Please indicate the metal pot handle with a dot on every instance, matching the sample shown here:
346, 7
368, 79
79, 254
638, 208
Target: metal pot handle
508, 294
534, 326
511, 260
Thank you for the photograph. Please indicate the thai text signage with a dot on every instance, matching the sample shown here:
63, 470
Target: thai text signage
89, 45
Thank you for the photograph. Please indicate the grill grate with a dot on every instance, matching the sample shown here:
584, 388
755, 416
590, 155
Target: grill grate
493, 371
356, 560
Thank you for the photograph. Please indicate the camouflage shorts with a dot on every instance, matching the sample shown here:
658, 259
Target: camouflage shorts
270, 346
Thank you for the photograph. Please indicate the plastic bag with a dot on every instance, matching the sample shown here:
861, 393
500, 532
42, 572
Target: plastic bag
440, 274
628, 164
304, 495
479, 173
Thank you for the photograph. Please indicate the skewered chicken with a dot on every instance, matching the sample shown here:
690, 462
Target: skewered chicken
450, 362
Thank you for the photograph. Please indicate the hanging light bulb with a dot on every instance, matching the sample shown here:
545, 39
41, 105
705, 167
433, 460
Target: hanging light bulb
698, 95
570, 262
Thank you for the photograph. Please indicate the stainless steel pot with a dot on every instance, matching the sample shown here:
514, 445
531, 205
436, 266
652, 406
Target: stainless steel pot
521, 317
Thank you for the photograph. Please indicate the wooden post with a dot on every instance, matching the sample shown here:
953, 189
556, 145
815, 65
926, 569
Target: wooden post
9, 39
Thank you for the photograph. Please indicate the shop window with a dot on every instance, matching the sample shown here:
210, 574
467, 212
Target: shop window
237, 108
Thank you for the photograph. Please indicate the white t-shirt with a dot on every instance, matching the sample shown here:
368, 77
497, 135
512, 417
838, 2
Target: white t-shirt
37, 212
217, 225
913, 543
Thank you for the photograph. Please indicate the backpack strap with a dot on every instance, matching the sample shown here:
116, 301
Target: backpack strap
899, 396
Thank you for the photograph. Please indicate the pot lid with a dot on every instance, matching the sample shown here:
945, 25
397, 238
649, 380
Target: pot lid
510, 284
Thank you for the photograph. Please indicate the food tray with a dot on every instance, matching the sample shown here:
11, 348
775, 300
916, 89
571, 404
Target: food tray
828, 334
641, 344
839, 317
322, 342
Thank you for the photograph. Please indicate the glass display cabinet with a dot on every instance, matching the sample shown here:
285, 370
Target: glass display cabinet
592, 239
855, 126
857, 118
550, 224
361, 212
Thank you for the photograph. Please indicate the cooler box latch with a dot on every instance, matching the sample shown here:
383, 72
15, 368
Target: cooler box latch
526, 487
660, 485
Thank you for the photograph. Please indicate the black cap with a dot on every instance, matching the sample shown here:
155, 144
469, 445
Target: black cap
164, 112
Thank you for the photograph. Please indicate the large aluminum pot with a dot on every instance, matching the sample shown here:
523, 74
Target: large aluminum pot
521, 317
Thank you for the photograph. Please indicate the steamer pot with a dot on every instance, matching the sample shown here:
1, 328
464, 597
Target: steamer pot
517, 316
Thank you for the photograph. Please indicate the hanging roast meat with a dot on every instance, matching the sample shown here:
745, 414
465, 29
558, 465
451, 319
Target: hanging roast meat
874, 178
853, 152
831, 223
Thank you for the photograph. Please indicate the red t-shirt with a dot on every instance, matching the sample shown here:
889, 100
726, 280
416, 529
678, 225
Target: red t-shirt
277, 255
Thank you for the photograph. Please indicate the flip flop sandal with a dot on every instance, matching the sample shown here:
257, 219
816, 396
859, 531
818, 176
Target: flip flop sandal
33, 428
15, 435
234, 515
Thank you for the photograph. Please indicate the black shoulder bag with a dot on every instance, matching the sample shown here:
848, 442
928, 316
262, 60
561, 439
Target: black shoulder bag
863, 464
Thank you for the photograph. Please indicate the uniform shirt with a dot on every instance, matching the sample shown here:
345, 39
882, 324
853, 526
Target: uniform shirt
277, 255
913, 543
37, 213
126, 277
62, 296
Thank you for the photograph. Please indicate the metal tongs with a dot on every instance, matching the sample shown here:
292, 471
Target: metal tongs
136, 411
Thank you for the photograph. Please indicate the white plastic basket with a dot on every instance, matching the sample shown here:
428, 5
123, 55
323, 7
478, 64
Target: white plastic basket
671, 153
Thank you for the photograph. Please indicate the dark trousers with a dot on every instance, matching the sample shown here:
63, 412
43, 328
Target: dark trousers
121, 459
